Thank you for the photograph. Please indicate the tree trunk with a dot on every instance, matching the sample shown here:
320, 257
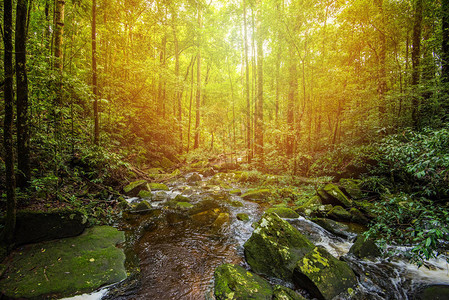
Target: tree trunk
94, 71
178, 91
8, 122
416, 53
382, 81
59, 30
445, 42
292, 99
248, 102
258, 126
198, 86
23, 118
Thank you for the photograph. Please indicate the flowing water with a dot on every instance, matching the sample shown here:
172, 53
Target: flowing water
176, 252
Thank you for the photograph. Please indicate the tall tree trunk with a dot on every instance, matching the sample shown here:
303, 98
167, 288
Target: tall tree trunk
23, 118
382, 81
178, 92
190, 109
259, 126
8, 122
292, 99
94, 71
198, 86
59, 31
445, 41
248, 102
416, 53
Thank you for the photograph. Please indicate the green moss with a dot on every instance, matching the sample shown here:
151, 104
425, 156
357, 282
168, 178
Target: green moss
331, 194
323, 275
127, 189
235, 192
234, 282
66, 266
332, 226
235, 203
257, 195
275, 246
186, 205
358, 217
145, 194
283, 293
166, 163
283, 212
243, 217
181, 198
340, 214
365, 248
142, 206
158, 186
352, 187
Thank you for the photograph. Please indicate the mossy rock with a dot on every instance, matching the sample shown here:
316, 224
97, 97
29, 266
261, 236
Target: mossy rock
336, 228
243, 217
235, 282
194, 178
235, 203
433, 292
331, 194
367, 208
157, 186
222, 220
34, 227
338, 213
284, 293
322, 275
160, 196
283, 212
365, 248
257, 195
166, 163
235, 192
145, 194
315, 200
184, 205
181, 198
317, 210
67, 266
352, 187
275, 246
358, 217
135, 187
142, 206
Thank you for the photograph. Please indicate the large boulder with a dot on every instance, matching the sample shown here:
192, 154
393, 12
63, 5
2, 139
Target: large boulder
275, 246
336, 228
331, 194
433, 292
154, 186
338, 213
323, 275
66, 266
257, 195
351, 187
365, 248
234, 282
33, 227
135, 187
283, 293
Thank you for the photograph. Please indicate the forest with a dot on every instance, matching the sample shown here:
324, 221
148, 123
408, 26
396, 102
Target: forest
334, 109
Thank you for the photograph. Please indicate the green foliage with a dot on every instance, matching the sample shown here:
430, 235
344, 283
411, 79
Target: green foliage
416, 222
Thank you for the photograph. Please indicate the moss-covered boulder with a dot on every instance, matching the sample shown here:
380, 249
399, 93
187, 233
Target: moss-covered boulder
275, 246
194, 178
243, 217
351, 187
331, 194
33, 227
167, 163
322, 275
181, 198
135, 187
160, 196
283, 212
235, 203
235, 192
234, 282
365, 248
284, 293
433, 292
221, 221
338, 213
184, 205
144, 194
154, 186
66, 266
336, 228
358, 217
257, 195
142, 206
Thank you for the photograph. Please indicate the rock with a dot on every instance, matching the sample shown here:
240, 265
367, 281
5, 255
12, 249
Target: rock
142, 206
358, 217
283, 212
160, 196
333, 227
195, 177
181, 198
322, 275
433, 292
235, 192
235, 203
208, 172
234, 282
275, 246
338, 213
257, 195
34, 227
166, 163
158, 186
145, 194
284, 293
365, 248
331, 194
220, 221
135, 187
243, 217
351, 187
367, 208
66, 266
184, 205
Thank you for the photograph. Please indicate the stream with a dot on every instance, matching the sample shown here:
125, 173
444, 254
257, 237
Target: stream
176, 250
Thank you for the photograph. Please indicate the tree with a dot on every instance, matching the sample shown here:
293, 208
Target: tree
94, 71
416, 53
248, 103
198, 84
59, 31
8, 122
258, 126
23, 128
